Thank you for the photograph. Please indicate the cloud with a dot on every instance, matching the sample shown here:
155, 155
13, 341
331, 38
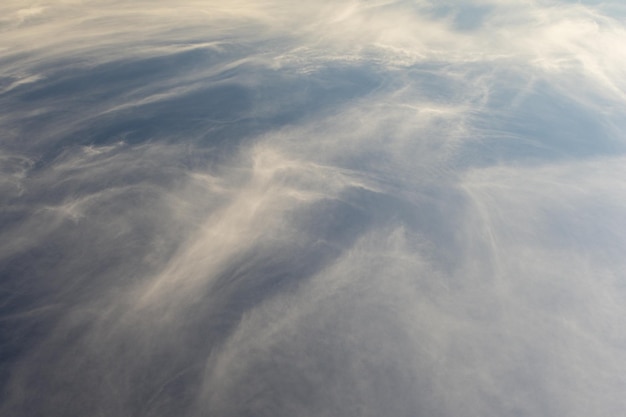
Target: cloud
271, 208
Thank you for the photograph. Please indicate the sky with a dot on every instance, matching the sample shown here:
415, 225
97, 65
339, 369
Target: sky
344, 208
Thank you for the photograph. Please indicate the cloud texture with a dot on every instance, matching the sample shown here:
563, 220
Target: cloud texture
353, 208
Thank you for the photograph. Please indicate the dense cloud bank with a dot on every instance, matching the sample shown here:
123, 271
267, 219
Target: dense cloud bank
354, 208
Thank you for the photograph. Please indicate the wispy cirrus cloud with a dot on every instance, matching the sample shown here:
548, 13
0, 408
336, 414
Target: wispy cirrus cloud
353, 208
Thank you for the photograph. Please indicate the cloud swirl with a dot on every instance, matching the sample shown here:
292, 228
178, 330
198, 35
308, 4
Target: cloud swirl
353, 208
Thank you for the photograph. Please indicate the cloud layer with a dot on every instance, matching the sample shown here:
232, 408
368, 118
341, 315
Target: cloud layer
350, 208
